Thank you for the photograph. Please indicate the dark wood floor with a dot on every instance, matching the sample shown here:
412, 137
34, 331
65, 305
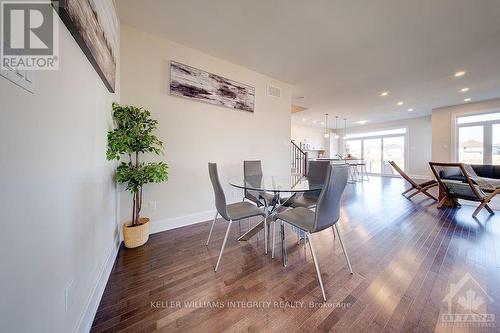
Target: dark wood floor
405, 254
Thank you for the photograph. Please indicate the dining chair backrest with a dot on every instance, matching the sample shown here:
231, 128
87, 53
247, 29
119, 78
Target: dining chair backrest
328, 207
316, 173
317, 170
252, 169
220, 198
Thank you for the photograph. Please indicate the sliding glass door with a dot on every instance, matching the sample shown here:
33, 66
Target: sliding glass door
394, 150
378, 148
373, 155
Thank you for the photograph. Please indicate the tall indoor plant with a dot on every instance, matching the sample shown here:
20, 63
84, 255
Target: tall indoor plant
130, 139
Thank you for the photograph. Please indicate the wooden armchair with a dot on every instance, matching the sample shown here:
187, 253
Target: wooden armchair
417, 187
455, 186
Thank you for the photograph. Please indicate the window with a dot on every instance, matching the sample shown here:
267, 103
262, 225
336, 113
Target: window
377, 133
353, 148
478, 139
373, 155
377, 148
470, 144
394, 150
495, 147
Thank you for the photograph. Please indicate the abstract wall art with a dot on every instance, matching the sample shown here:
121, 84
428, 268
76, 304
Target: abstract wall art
199, 85
94, 25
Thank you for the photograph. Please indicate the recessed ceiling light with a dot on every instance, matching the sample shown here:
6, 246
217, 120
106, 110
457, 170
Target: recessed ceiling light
464, 89
322, 123
314, 121
361, 122
459, 74
304, 119
410, 110
384, 93
467, 99
401, 103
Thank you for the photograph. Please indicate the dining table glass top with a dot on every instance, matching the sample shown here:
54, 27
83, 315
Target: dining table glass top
277, 183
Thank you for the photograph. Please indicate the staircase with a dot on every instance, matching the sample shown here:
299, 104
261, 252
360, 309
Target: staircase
298, 159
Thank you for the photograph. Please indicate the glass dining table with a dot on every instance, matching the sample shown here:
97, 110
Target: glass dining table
279, 185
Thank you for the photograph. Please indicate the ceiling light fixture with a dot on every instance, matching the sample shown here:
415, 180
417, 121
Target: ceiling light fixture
401, 103
410, 110
464, 89
467, 99
459, 74
314, 121
304, 119
326, 135
362, 122
384, 93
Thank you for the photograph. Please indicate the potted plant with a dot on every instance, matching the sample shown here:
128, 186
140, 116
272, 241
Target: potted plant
131, 138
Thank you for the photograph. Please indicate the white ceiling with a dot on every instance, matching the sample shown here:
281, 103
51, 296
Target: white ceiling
341, 54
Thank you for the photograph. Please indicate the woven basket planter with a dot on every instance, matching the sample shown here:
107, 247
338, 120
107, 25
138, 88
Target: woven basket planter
135, 236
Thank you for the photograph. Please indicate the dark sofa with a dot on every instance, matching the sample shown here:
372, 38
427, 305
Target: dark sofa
486, 171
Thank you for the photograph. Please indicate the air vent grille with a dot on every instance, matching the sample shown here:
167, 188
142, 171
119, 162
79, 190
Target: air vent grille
273, 91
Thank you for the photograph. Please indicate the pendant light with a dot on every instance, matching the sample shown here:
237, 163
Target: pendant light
345, 136
326, 135
336, 126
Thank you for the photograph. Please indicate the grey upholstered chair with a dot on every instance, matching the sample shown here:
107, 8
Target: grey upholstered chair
316, 172
326, 215
232, 212
254, 169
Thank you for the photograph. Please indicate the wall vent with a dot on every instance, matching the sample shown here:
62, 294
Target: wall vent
273, 91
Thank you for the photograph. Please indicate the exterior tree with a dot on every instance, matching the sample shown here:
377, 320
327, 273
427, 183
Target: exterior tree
131, 138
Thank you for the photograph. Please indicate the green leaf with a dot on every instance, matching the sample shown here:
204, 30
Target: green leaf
133, 136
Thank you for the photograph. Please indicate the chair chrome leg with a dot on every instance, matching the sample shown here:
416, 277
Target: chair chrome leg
223, 245
211, 228
274, 237
265, 234
343, 248
316, 266
284, 255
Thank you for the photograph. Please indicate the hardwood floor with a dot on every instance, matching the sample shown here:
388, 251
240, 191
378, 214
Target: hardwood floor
406, 255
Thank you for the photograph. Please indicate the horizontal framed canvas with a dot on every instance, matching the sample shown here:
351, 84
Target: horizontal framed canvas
199, 85
94, 25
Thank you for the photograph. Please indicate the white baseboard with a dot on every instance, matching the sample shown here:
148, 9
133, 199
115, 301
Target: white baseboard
90, 310
181, 221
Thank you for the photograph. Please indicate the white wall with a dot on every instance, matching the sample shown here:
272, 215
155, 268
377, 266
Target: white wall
418, 146
314, 136
58, 198
443, 123
195, 133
